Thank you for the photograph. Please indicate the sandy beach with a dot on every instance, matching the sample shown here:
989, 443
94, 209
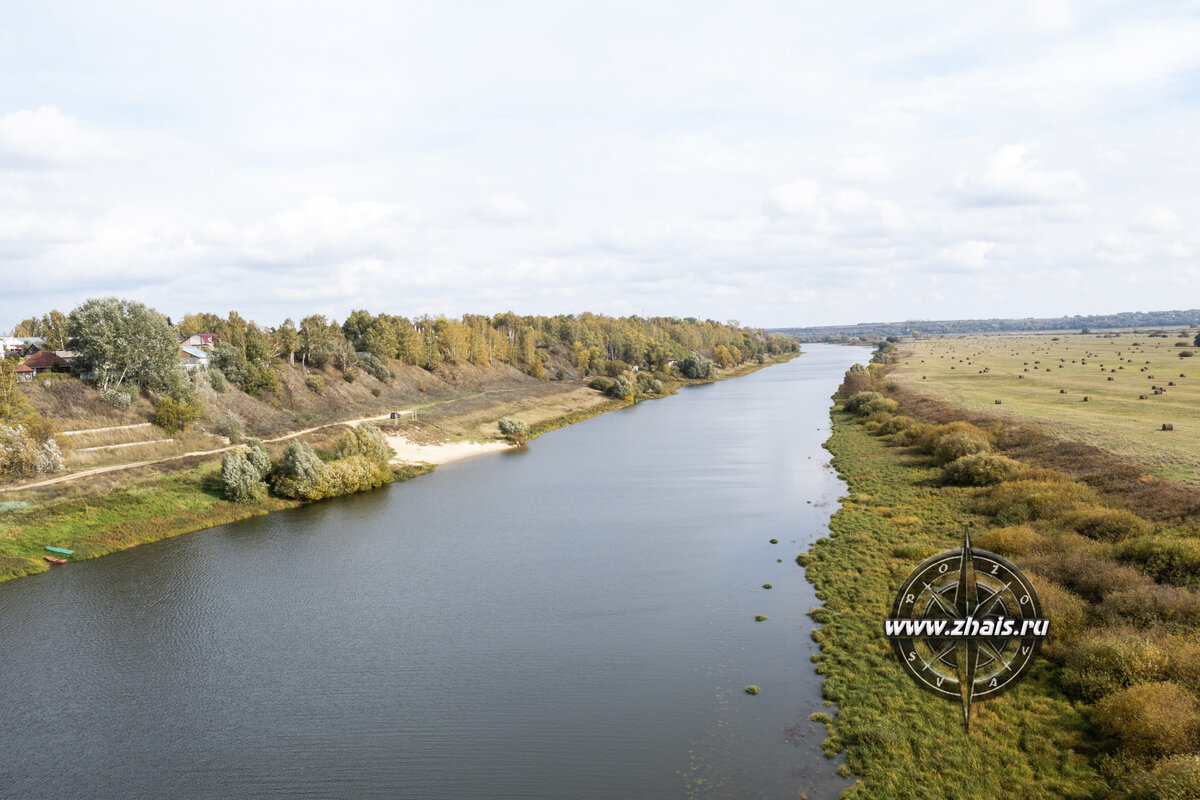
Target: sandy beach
411, 453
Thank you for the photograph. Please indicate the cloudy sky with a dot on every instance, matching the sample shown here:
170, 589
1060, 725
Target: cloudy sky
778, 163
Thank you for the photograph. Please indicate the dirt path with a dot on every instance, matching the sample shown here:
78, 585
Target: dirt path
116, 467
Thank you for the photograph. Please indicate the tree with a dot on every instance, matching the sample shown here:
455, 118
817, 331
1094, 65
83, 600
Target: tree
1197, 342
13, 404
355, 328
299, 474
516, 430
365, 440
241, 478
22, 454
287, 339
123, 340
55, 330
696, 367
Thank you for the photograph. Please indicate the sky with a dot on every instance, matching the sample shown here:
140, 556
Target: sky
778, 163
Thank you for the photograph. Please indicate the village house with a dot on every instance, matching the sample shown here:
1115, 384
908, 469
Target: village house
192, 357
42, 361
16, 344
200, 340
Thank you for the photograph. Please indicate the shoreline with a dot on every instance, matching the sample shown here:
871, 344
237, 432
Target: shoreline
188, 500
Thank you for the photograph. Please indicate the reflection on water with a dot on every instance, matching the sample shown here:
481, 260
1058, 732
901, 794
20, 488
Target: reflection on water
576, 620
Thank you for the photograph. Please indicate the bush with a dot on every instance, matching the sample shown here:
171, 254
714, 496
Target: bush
514, 429
1110, 660
894, 425
23, 455
230, 426
173, 414
1014, 541
860, 399
622, 389
366, 441
1014, 502
1107, 524
1144, 606
980, 469
913, 435
1152, 719
315, 383
1068, 615
241, 479
353, 474
1186, 353
880, 405
299, 474
117, 399
858, 378
1183, 661
216, 379
1091, 576
697, 367
955, 445
375, 368
1166, 559
1173, 778
601, 383
258, 457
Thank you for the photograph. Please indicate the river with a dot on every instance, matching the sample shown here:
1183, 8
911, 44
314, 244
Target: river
572, 619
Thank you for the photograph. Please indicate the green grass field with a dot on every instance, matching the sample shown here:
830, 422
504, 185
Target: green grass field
1043, 377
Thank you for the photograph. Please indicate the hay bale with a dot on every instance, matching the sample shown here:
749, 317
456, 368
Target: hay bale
1167, 426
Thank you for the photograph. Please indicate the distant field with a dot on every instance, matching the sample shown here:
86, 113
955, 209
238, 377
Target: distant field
1044, 377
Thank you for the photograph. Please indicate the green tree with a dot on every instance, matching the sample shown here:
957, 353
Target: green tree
122, 340
299, 473
13, 404
287, 340
696, 367
55, 330
241, 479
365, 440
514, 429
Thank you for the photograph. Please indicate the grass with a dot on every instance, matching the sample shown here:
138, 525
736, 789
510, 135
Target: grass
1114, 418
899, 740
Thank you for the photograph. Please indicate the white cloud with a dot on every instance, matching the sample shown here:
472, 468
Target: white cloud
504, 208
864, 168
46, 137
1157, 219
1010, 178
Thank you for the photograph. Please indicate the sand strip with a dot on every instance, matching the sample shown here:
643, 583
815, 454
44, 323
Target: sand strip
412, 453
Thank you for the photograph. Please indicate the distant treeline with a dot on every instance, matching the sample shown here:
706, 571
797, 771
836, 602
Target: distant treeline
875, 330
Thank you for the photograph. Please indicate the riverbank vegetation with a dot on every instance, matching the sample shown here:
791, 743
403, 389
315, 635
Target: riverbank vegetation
1111, 710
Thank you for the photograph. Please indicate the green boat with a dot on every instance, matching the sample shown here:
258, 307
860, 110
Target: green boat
62, 550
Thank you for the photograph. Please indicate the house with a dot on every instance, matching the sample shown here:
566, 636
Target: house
24, 373
193, 357
200, 340
43, 361
16, 344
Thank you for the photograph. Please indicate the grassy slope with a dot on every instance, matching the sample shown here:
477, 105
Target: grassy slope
1113, 418
902, 741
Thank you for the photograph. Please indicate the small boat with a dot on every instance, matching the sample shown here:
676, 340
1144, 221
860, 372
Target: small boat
56, 560
62, 550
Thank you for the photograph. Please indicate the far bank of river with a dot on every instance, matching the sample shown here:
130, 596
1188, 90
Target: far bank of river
575, 618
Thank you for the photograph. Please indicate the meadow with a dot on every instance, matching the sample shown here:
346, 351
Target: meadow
1133, 382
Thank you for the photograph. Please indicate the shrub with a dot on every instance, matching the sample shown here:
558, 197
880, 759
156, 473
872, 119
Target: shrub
1148, 605
860, 399
1183, 661
1108, 524
1110, 660
1152, 719
375, 368
258, 457
1166, 559
366, 441
980, 469
1013, 541
1091, 576
353, 474
613, 368
697, 367
216, 379
230, 426
894, 425
173, 413
622, 389
1068, 615
1173, 778
601, 383
1014, 502
514, 429
858, 378
299, 474
880, 405
1186, 353
241, 479
913, 435
315, 383
23, 455
117, 399
953, 446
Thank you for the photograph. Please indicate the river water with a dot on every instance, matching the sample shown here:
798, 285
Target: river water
573, 619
